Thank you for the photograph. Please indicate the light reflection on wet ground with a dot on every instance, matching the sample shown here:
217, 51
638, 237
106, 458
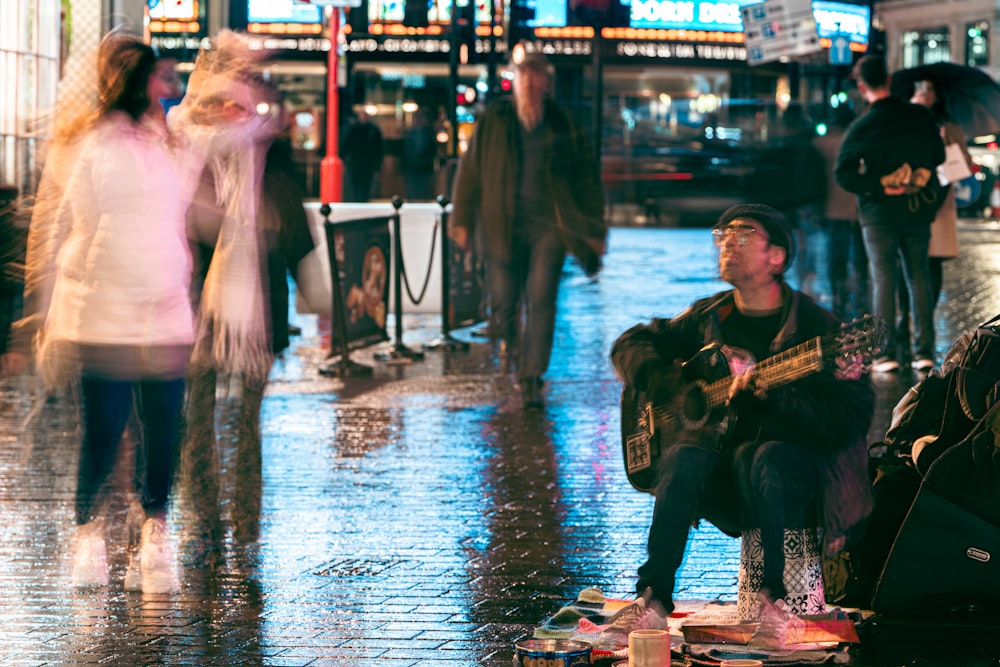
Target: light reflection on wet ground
418, 517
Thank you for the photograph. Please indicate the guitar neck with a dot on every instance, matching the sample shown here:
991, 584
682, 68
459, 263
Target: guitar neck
775, 371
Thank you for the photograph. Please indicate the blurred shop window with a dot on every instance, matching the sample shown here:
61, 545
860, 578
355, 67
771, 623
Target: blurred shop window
305, 132
977, 44
923, 47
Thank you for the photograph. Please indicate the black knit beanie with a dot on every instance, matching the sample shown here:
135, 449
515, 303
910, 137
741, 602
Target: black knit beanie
773, 222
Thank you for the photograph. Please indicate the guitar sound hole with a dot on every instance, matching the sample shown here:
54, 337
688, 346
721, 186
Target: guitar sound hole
694, 405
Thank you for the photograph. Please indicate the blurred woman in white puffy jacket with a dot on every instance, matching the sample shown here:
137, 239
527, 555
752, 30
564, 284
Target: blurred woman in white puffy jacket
116, 260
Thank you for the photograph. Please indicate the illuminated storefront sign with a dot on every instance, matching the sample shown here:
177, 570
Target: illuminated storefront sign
832, 18
284, 17
840, 18
399, 45
175, 16
179, 42
663, 51
173, 10
282, 11
687, 14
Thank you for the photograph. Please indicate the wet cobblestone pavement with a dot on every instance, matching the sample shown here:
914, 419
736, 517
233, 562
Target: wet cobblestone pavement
417, 517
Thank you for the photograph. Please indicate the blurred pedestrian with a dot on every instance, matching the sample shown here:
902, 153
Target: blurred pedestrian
888, 159
803, 192
419, 157
944, 230
119, 311
362, 150
796, 457
847, 263
13, 241
249, 231
531, 180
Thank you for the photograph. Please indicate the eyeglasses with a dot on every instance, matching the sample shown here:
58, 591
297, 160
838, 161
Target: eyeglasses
742, 233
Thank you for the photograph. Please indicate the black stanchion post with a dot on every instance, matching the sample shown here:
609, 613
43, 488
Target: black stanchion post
445, 341
398, 353
343, 367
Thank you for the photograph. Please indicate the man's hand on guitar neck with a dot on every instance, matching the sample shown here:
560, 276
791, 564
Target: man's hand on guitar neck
746, 382
849, 367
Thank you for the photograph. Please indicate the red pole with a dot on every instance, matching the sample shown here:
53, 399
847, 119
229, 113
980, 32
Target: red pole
331, 168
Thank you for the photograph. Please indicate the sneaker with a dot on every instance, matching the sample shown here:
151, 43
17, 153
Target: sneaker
133, 573
922, 364
90, 561
885, 365
643, 614
156, 560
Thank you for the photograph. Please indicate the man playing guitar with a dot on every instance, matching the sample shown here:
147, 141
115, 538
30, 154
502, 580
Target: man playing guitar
774, 455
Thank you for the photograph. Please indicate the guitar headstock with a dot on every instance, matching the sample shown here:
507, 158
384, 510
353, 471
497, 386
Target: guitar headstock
862, 339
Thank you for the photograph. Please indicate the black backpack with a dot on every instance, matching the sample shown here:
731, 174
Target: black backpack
936, 414
942, 409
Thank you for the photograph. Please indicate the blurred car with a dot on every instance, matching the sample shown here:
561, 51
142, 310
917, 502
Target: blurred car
687, 165
985, 154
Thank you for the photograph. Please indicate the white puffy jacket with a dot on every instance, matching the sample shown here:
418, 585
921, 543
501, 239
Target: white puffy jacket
124, 269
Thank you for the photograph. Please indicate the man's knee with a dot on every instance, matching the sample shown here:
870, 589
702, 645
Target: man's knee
683, 468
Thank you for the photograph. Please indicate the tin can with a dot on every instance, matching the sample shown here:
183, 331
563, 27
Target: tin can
551, 653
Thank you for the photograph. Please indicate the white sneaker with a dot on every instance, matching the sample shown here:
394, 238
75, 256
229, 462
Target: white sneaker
90, 560
643, 614
885, 365
156, 560
133, 573
922, 364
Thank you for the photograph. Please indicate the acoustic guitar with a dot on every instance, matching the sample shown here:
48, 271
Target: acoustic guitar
698, 412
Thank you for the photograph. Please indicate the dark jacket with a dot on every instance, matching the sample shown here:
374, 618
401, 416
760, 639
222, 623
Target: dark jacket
892, 132
484, 186
830, 417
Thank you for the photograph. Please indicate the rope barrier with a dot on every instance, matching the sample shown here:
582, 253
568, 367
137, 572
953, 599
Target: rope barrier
430, 265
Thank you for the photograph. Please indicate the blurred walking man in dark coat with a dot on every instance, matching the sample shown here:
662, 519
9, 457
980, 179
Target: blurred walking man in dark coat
531, 182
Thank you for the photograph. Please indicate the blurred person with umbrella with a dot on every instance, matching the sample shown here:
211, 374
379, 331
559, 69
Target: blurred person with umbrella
944, 229
969, 96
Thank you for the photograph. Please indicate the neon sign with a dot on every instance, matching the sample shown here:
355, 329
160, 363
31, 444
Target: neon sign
687, 14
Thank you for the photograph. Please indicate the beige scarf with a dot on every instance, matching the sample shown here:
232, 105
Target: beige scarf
233, 334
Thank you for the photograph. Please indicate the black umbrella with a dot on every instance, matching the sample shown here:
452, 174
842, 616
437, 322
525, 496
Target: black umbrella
970, 96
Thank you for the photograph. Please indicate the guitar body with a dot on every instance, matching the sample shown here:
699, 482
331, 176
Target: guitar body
647, 429
641, 443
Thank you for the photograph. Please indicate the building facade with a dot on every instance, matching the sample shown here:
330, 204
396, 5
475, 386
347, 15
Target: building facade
926, 31
649, 77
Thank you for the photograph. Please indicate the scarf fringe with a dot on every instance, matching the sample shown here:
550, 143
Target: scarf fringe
229, 350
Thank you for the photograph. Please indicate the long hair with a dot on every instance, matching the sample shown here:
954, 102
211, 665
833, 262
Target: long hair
124, 65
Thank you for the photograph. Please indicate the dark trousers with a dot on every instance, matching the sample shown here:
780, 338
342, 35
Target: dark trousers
766, 485
107, 405
887, 247
848, 268
530, 279
201, 471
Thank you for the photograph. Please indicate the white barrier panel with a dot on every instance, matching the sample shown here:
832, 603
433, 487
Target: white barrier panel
418, 233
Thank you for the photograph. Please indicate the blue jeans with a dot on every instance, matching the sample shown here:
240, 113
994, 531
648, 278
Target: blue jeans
767, 485
529, 280
107, 405
888, 246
